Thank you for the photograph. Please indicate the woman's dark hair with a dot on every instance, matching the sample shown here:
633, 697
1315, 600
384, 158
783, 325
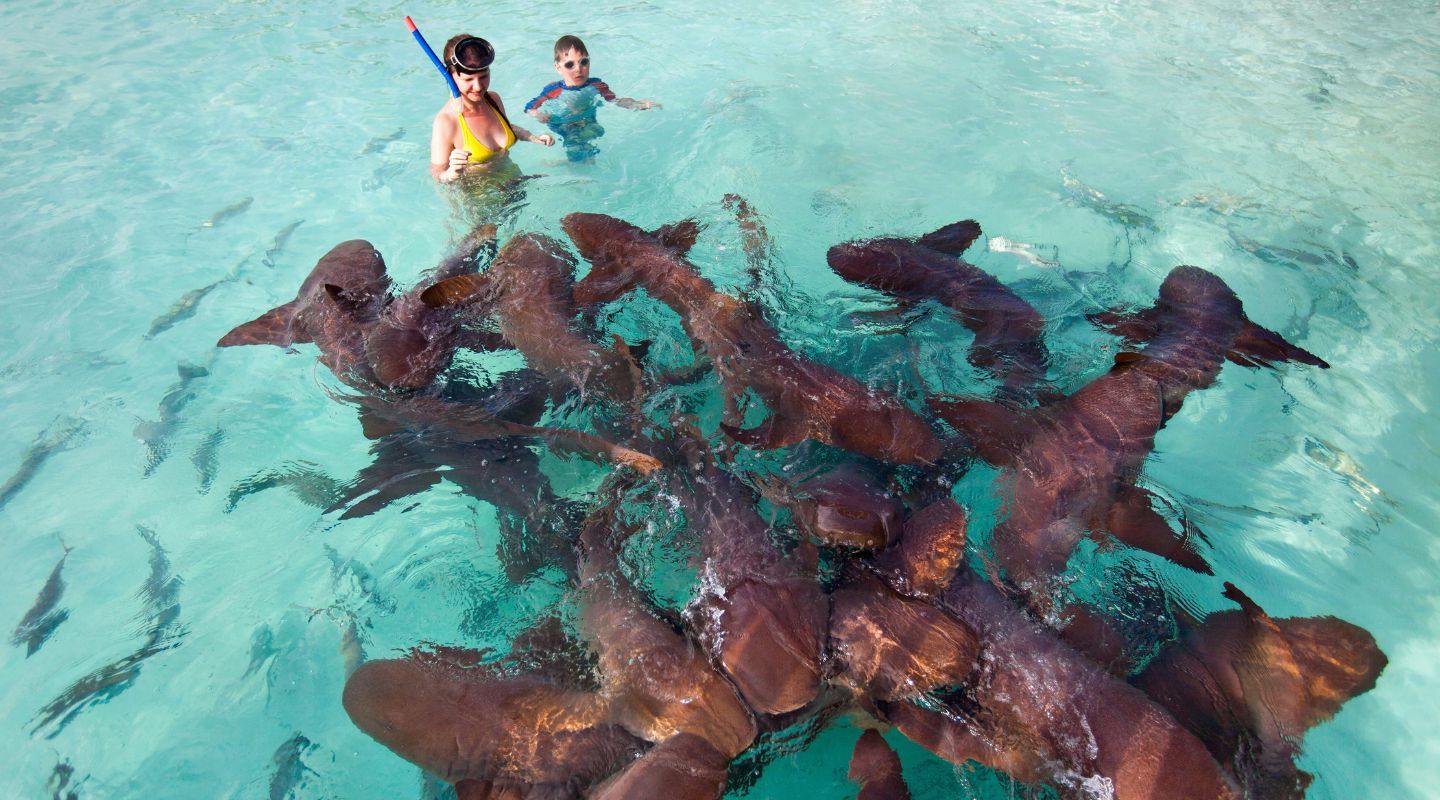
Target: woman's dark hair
449, 51
567, 43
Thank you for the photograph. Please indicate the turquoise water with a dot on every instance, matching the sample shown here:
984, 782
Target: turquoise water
1308, 128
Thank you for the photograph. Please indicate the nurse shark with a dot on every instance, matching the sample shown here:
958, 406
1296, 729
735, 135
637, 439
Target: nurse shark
806, 399
1070, 466
371, 338
528, 288
1009, 332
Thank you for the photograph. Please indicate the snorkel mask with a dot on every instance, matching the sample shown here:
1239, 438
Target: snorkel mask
471, 55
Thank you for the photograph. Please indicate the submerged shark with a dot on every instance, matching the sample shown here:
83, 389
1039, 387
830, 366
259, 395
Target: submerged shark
1071, 464
155, 434
806, 399
369, 337
159, 617
1009, 332
45, 615
529, 290
59, 436
1086, 196
1251, 686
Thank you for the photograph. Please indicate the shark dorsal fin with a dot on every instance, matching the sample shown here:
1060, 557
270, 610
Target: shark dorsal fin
953, 239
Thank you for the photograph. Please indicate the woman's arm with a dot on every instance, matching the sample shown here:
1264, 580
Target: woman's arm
446, 162
520, 133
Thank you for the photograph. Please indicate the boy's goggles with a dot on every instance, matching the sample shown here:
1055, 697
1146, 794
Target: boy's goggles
472, 55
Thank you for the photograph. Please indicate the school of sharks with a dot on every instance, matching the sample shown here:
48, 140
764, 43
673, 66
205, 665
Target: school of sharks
855, 587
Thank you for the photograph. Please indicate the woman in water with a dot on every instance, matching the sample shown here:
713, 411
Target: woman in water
471, 133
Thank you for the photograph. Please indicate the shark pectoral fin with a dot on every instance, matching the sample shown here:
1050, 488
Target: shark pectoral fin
1132, 326
1125, 359
775, 432
678, 236
1133, 520
996, 431
272, 327
457, 290
398, 487
1261, 347
954, 238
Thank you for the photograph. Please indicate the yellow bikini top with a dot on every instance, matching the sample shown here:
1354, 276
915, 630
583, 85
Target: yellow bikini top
479, 153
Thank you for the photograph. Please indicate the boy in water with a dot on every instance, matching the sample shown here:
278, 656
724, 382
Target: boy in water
568, 105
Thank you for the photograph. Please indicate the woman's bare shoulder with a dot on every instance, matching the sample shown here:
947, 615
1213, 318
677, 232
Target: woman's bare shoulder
446, 115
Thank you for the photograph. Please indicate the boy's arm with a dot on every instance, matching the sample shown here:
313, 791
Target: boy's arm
623, 102
550, 92
520, 133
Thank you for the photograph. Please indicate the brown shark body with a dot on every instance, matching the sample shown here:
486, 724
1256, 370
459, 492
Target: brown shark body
1071, 464
1044, 713
759, 610
660, 682
876, 768
1009, 332
528, 288
1250, 686
489, 734
842, 507
368, 337
807, 400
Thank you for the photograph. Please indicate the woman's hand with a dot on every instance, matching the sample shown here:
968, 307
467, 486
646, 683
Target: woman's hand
538, 114
459, 160
544, 138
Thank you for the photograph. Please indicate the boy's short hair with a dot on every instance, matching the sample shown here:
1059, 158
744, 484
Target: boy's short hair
567, 43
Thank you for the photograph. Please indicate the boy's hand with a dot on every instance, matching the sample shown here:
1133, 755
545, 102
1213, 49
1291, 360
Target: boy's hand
646, 105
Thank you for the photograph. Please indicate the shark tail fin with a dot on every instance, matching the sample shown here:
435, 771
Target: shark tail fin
273, 327
954, 238
997, 431
678, 236
1262, 347
456, 290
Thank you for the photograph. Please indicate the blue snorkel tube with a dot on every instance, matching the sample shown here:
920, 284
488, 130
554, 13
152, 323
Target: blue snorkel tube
424, 45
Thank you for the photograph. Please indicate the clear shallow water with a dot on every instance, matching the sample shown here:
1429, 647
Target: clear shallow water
1307, 126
